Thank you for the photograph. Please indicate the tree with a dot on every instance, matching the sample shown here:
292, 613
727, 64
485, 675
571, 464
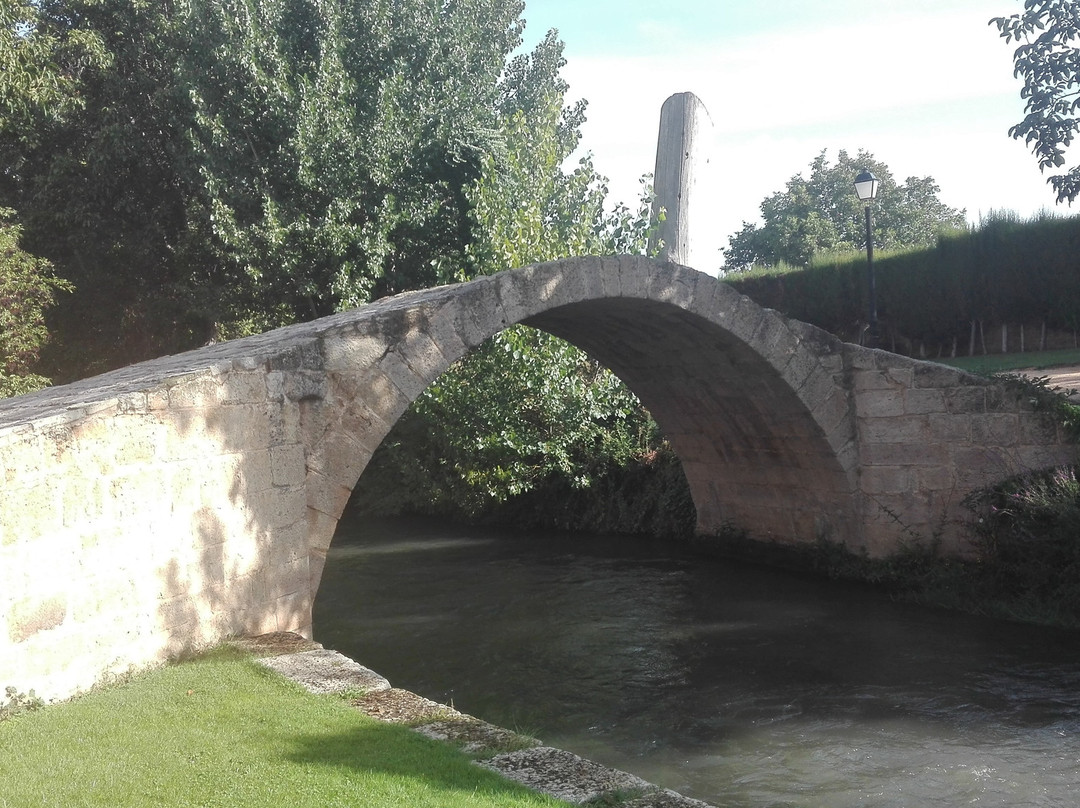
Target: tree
338, 140
27, 288
207, 168
1048, 60
524, 408
99, 169
822, 214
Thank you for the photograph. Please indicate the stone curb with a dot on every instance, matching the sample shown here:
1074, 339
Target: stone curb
550, 771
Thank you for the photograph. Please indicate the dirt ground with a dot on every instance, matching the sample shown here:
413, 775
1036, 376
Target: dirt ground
1067, 378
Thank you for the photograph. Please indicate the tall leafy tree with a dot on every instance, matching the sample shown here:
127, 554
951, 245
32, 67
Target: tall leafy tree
1048, 60
339, 139
100, 172
524, 409
820, 213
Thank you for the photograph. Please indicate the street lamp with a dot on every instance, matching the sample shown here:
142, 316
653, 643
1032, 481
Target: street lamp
866, 188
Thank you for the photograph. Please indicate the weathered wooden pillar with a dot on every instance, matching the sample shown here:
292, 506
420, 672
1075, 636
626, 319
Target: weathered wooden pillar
681, 158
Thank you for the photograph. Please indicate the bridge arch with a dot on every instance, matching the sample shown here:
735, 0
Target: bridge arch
747, 398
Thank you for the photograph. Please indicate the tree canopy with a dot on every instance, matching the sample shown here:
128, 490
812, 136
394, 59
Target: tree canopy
1048, 60
200, 169
820, 213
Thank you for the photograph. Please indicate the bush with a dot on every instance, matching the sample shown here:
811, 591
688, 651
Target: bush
1027, 534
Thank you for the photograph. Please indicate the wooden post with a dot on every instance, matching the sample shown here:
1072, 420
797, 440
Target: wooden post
681, 155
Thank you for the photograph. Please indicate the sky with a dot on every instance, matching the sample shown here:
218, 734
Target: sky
926, 86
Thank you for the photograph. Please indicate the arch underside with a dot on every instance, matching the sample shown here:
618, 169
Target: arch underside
752, 453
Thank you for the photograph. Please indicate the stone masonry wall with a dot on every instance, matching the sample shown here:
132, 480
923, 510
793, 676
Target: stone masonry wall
137, 523
928, 436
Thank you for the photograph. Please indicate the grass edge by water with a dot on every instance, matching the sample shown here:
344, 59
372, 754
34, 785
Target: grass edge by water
221, 730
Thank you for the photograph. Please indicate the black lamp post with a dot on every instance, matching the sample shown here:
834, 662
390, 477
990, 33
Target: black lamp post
866, 188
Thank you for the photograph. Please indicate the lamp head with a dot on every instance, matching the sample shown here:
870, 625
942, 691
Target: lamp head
866, 186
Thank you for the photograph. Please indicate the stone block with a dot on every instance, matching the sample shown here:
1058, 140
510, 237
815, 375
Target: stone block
873, 404
878, 480
195, 391
288, 465
340, 457
893, 379
908, 428
278, 508
635, 275
1037, 428
257, 469
995, 429
353, 351
936, 478
380, 396
904, 454
931, 375
244, 387
923, 402
517, 294
675, 286
954, 428
326, 495
774, 341
965, 400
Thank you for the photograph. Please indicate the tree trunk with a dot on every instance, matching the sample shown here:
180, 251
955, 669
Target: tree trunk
1004, 338
971, 340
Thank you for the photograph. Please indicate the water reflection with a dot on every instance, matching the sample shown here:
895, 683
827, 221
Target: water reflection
734, 684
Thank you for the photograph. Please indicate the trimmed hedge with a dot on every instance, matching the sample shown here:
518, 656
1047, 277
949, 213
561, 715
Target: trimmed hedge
952, 300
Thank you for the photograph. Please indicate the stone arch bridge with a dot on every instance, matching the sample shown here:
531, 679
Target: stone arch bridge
179, 501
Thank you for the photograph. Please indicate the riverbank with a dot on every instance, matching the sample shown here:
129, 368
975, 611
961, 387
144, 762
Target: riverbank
221, 730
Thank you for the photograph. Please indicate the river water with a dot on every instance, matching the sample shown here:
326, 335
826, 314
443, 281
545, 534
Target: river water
738, 685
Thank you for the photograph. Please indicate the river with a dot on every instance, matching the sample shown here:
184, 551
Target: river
738, 685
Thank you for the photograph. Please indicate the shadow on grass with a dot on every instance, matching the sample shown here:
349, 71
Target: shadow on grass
389, 758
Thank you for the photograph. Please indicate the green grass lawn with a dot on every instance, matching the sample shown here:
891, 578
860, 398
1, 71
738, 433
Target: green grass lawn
999, 363
224, 731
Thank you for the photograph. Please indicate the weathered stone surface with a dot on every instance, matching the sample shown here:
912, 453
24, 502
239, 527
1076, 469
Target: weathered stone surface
564, 775
325, 671
194, 496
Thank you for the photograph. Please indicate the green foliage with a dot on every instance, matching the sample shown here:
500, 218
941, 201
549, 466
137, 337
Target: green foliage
1052, 400
526, 413
27, 289
339, 139
104, 183
521, 409
205, 169
821, 214
1027, 532
1048, 60
1004, 271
